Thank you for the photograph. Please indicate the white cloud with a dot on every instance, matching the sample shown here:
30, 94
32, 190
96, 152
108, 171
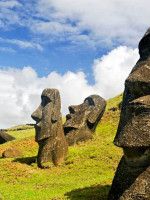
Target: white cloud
22, 44
8, 16
111, 70
105, 22
20, 90
9, 4
7, 49
53, 28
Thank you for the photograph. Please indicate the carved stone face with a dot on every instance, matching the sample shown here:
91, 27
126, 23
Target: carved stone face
134, 126
47, 113
83, 118
49, 130
132, 178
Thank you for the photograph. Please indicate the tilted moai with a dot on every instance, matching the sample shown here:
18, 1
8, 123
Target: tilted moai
132, 178
5, 137
49, 130
82, 121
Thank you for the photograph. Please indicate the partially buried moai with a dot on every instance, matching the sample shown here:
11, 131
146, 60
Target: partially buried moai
49, 130
82, 121
132, 178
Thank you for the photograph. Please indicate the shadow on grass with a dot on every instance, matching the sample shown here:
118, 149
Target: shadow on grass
97, 192
27, 160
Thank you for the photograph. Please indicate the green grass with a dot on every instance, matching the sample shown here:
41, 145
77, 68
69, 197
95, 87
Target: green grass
114, 102
86, 173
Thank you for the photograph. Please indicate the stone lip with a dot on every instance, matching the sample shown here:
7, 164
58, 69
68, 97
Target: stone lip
5, 137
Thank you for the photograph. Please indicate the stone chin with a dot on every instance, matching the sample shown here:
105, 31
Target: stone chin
137, 157
76, 132
37, 131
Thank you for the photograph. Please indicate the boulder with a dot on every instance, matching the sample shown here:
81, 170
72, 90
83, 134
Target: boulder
11, 153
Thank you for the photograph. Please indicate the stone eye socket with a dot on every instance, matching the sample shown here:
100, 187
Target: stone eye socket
90, 101
71, 109
45, 101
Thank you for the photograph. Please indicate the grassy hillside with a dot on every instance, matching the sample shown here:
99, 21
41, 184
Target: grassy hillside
86, 174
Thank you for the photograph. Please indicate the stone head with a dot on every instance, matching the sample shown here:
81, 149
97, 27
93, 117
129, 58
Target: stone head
132, 178
84, 117
135, 113
47, 113
144, 45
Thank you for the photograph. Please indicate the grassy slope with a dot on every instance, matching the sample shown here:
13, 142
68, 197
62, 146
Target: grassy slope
86, 173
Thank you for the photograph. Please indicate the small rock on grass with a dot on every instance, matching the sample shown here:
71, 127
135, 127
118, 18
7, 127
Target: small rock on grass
11, 153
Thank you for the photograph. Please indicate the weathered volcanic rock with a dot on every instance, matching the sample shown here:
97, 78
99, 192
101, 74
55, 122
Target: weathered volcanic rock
130, 183
132, 178
11, 153
5, 137
82, 121
49, 130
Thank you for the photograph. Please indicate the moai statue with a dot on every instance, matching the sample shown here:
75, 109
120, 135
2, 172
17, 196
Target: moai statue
132, 178
82, 121
49, 130
5, 137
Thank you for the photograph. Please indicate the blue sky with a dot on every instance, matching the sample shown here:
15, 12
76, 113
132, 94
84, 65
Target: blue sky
79, 47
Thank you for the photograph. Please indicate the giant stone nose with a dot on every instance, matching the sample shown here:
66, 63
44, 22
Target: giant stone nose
37, 114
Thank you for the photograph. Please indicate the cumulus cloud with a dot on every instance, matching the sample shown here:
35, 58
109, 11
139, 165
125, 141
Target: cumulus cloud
112, 69
20, 90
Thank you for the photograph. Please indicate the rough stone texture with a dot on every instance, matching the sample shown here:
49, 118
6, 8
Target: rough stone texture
82, 121
49, 130
130, 183
5, 137
11, 153
132, 178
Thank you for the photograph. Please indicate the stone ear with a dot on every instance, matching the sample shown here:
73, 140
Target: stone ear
56, 114
94, 115
98, 110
